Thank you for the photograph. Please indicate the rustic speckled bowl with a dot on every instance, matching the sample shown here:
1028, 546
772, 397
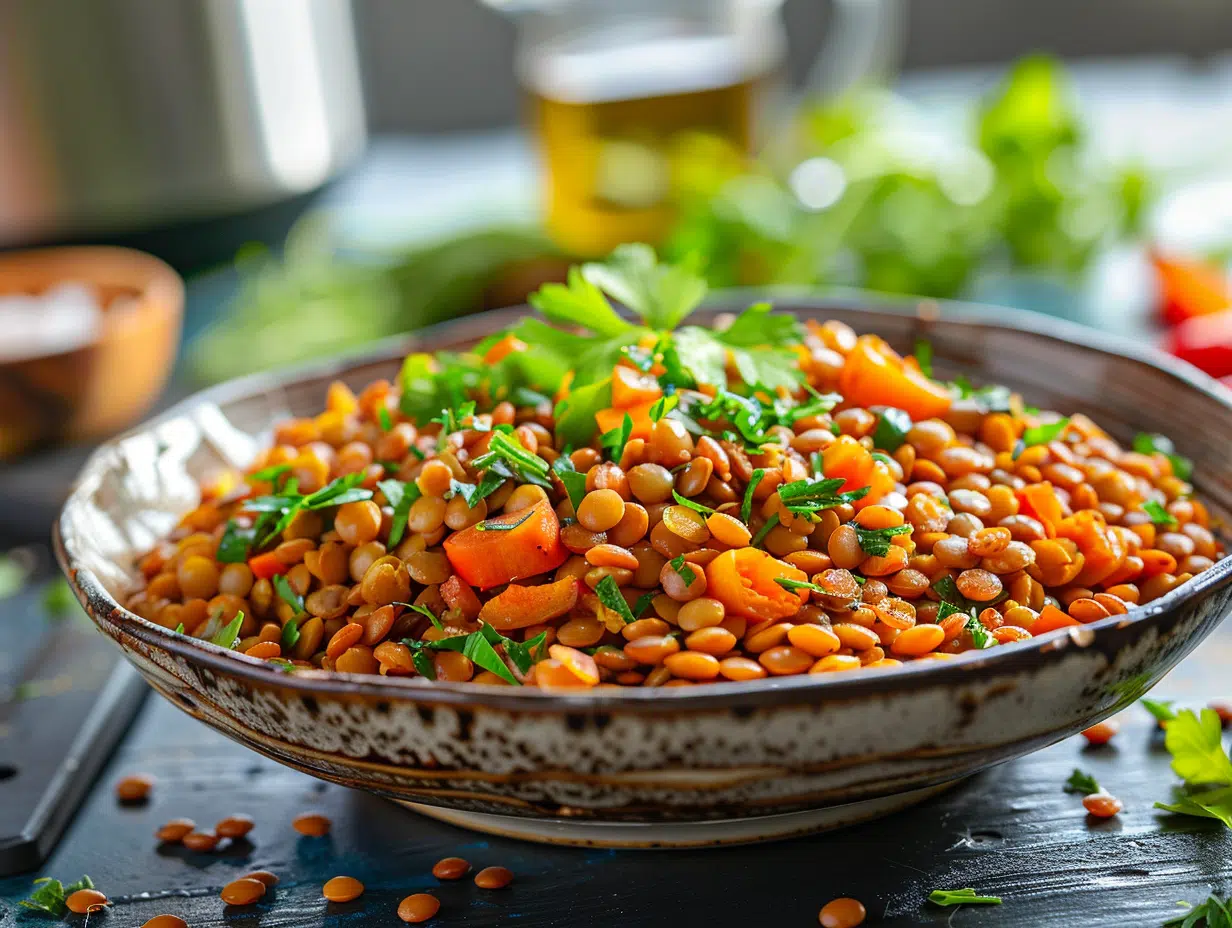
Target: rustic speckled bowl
698, 765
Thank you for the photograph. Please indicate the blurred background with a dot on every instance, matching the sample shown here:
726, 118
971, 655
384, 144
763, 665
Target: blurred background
322, 173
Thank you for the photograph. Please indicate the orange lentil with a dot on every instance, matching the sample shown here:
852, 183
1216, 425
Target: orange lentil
312, 824
174, 831
418, 908
134, 788
264, 876
1102, 732
85, 901
342, 889
451, 868
493, 878
741, 668
200, 841
1102, 805
234, 826
243, 891
165, 921
842, 913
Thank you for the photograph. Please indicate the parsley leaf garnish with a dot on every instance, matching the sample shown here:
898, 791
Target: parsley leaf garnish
1159, 515
575, 483
810, 495
1160, 708
746, 507
661, 294
961, 897
283, 587
1081, 783
235, 543
495, 525
614, 442
892, 429
49, 895
1195, 743
690, 504
506, 448
287, 504
1149, 443
1213, 913
609, 594
683, 569
792, 585
399, 495
290, 633
662, 406
229, 636
1043, 434
757, 539
876, 541
384, 419
924, 356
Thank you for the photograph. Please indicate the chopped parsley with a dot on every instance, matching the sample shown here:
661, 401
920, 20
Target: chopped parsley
1081, 783
383, 417
400, 496
892, 429
614, 442
876, 541
575, 483
283, 587
683, 569
1159, 515
1150, 443
610, 596
287, 504
961, 897
813, 494
49, 895
662, 406
1043, 434
924, 356
746, 507
690, 504
495, 525
1198, 758
505, 449
1212, 913
764, 531
229, 636
643, 603
792, 585
1160, 708
235, 543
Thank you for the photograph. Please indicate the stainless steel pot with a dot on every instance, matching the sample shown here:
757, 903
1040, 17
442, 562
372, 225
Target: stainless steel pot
120, 115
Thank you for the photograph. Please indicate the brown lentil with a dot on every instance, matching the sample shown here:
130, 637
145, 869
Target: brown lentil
243, 891
418, 908
493, 878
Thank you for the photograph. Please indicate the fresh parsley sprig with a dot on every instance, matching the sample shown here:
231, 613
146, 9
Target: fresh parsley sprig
1081, 783
1211, 913
1199, 759
810, 495
49, 895
288, 503
876, 541
1150, 443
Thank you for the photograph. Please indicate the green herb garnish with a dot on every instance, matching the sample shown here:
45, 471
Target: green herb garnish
683, 569
792, 585
179, 628
287, 504
235, 543
492, 525
575, 483
961, 897
764, 531
609, 594
1160, 708
690, 504
49, 895
643, 603
614, 442
400, 496
290, 633
1043, 434
811, 495
1149, 443
383, 417
662, 406
1081, 783
269, 474
746, 507
876, 541
1196, 745
924, 356
1213, 913
229, 636
283, 587
892, 429
1159, 515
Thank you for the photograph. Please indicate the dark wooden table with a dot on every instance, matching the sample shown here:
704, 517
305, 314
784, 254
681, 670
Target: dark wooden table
1010, 831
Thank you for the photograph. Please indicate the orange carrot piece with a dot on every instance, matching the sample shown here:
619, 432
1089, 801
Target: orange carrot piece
1040, 501
613, 418
633, 388
743, 580
503, 348
1052, 618
875, 375
266, 566
1190, 288
848, 459
487, 555
522, 606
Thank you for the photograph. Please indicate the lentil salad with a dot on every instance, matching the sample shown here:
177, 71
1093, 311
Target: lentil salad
585, 501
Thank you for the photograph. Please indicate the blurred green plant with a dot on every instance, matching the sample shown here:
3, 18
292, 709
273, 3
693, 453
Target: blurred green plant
864, 191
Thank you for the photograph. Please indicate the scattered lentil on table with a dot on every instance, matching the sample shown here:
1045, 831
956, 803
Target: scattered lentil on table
176, 830
1102, 732
451, 868
342, 889
418, 908
842, 913
493, 878
243, 891
312, 824
134, 787
234, 826
660, 521
165, 921
86, 901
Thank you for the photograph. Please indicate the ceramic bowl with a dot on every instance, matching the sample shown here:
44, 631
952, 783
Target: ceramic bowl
102, 386
659, 767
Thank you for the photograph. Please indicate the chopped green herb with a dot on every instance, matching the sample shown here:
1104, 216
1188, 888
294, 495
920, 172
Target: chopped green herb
792, 585
690, 504
643, 603
1159, 515
1148, 443
290, 634
662, 406
575, 413
764, 531
924, 356
1213, 913
492, 525
892, 429
283, 587
811, 495
480, 650
400, 496
423, 663
269, 474
876, 541
179, 629
575, 483
993, 398
961, 897
683, 569
661, 294
58, 598
979, 634
614, 442
235, 543
1194, 741
229, 637
746, 508
1043, 434
424, 611
383, 417
49, 895
1081, 783
609, 594
287, 504
1160, 708
506, 448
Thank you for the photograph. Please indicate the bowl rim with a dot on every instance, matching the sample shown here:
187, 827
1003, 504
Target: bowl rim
1003, 659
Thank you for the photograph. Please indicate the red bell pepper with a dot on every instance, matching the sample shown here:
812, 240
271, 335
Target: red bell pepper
1189, 288
1205, 342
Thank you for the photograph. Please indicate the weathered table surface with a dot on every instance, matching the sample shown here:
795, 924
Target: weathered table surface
1010, 831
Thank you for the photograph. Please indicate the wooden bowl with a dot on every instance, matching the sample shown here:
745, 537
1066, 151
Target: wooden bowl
103, 386
715, 764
